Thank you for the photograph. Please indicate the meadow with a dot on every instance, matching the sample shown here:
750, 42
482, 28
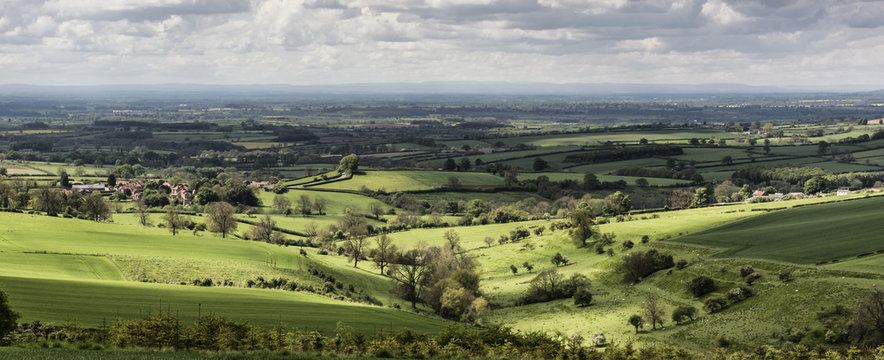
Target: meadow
78, 277
804, 235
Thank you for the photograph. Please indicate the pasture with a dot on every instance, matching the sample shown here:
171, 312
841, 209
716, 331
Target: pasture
412, 180
58, 269
804, 235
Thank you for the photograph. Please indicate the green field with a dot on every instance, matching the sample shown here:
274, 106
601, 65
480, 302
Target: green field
83, 277
412, 180
662, 136
803, 235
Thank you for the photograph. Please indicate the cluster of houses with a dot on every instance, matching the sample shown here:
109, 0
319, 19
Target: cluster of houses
134, 189
791, 195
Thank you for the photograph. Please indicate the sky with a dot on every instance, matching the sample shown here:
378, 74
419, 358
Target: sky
315, 42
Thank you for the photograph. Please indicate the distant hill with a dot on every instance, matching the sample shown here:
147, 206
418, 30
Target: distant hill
409, 89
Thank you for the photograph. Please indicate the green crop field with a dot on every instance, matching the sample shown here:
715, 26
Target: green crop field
803, 235
57, 269
412, 180
559, 176
335, 202
676, 136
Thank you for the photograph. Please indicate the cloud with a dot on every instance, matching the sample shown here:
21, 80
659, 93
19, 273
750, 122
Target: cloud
340, 41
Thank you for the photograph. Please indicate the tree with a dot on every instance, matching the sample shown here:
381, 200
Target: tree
653, 310
304, 204
617, 203
727, 160
682, 312
282, 204
353, 224
349, 164
48, 200
582, 297
319, 205
410, 272
702, 285
64, 180
702, 197
111, 180
746, 191
514, 269
95, 208
822, 147
868, 325
582, 225
8, 317
591, 182
815, 185
376, 210
205, 195
384, 252
453, 240
221, 218
528, 266
173, 220
142, 212
465, 164
637, 322
641, 182
489, 241
356, 247
265, 230
449, 165
540, 164
557, 259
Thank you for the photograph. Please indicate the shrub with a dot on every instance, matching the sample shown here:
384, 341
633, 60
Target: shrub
582, 297
682, 312
786, 276
715, 304
752, 277
701, 286
681, 264
746, 270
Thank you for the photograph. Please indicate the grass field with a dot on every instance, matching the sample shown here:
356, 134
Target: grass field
804, 235
82, 276
663, 136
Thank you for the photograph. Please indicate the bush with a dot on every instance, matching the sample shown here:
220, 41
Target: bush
681, 264
582, 297
752, 277
682, 312
786, 276
701, 286
746, 270
715, 304
637, 265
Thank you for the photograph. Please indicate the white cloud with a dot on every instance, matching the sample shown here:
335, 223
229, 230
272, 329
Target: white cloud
343, 41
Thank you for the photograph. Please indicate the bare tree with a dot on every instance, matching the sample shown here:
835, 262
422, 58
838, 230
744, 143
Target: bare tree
143, 214
453, 239
319, 205
385, 251
376, 210
265, 230
281, 204
173, 220
304, 205
653, 310
356, 246
220, 218
410, 271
